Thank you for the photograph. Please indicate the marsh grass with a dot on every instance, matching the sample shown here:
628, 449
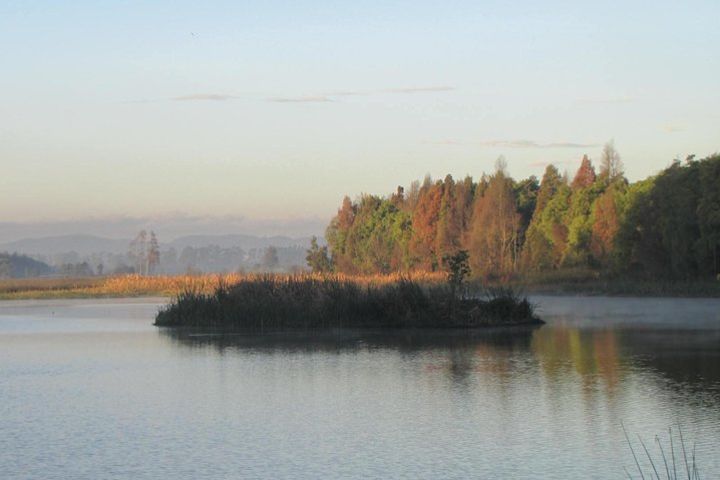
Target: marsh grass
570, 281
161, 285
321, 302
673, 461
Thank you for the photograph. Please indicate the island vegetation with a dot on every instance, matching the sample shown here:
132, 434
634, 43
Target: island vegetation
270, 302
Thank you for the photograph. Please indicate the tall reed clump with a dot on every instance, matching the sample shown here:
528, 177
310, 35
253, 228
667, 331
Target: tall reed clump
312, 302
675, 460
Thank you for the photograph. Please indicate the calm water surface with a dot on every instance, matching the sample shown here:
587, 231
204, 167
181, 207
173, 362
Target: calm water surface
91, 390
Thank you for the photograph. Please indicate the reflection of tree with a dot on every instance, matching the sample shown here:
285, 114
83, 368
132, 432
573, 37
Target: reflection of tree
591, 354
607, 357
690, 358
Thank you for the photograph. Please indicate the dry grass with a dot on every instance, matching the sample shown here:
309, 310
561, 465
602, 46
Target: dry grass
166, 286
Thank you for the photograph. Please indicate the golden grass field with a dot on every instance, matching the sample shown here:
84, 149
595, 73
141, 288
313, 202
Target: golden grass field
162, 285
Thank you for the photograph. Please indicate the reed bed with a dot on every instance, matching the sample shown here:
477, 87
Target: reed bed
321, 302
167, 285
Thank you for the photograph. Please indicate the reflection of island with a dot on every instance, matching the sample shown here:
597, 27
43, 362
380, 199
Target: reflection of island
602, 358
340, 340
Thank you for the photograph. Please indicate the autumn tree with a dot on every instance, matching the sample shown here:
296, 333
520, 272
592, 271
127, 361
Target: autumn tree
605, 226
450, 220
425, 216
492, 240
585, 175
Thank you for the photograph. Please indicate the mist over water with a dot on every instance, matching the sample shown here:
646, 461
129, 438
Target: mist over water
90, 389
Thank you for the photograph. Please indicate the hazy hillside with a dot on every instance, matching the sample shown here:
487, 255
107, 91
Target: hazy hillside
20, 266
242, 241
203, 253
80, 244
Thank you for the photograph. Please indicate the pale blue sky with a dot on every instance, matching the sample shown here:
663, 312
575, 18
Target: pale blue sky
277, 109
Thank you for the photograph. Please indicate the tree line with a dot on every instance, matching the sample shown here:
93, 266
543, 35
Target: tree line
667, 225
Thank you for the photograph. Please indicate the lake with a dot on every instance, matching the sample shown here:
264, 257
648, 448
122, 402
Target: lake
89, 389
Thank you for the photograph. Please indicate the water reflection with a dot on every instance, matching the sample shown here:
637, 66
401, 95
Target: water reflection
92, 390
599, 358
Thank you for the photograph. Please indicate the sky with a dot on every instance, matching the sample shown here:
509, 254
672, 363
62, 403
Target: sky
273, 111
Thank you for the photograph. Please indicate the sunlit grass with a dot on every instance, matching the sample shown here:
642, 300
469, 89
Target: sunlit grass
166, 286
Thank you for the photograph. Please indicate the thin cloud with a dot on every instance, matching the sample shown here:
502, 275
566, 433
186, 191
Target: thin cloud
533, 144
215, 97
304, 99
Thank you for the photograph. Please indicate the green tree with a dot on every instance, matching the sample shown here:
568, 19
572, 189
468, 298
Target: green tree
458, 268
539, 249
318, 258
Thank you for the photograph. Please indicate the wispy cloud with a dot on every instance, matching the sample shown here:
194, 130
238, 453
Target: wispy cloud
533, 144
215, 97
302, 99
315, 98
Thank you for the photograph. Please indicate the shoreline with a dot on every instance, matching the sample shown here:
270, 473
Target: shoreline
170, 286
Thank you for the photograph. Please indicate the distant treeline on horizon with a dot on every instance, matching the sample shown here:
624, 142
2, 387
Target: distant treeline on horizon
667, 225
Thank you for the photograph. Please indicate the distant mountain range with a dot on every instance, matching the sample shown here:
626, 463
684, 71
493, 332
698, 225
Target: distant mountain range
92, 244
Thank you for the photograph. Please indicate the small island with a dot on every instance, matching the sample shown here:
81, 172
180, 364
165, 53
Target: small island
272, 302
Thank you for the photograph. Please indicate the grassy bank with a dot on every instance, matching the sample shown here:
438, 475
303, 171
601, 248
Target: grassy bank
311, 302
573, 282
160, 285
